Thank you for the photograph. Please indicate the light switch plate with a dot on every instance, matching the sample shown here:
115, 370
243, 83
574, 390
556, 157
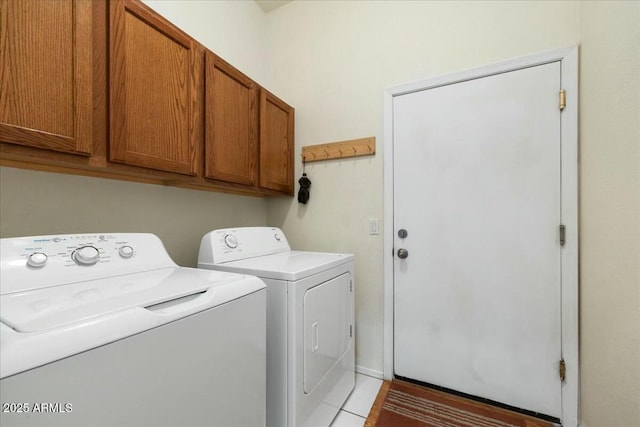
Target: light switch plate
374, 226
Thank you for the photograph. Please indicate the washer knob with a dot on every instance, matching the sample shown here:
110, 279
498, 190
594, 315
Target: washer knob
86, 255
126, 251
37, 260
231, 241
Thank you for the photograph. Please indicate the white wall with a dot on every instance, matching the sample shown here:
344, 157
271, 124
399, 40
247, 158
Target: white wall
332, 61
36, 203
610, 213
233, 30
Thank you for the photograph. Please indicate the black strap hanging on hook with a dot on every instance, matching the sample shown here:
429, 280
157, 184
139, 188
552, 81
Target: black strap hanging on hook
303, 193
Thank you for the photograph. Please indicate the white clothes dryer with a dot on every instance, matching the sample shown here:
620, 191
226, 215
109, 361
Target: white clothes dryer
310, 316
106, 330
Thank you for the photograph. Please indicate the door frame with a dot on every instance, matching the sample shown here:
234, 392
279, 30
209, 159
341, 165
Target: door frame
568, 58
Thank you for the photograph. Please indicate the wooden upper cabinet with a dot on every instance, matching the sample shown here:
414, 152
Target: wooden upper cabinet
169, 120
46, 74
154, 93
276, 143
231, 123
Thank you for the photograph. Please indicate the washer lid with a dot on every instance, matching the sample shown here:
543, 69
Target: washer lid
292, 266
177, 291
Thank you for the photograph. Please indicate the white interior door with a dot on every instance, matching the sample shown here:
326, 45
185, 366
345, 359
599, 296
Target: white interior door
477, 187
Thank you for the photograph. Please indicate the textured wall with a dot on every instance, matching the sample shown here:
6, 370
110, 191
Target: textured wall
36, 203
610, 213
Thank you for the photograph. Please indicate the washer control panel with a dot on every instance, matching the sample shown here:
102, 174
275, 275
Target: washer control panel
80, 249
32, 262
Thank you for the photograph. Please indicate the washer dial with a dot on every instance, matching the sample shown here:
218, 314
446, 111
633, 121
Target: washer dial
125, 251
37, 260
86, 255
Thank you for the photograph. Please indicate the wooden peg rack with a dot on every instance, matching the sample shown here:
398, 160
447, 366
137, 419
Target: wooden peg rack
339, 150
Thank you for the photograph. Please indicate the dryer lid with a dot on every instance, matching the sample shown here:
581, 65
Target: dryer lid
291, 266
176, 290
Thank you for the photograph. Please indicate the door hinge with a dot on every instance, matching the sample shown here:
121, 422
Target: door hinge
562, 370
350, 331
350, 285
563, 234
563, 99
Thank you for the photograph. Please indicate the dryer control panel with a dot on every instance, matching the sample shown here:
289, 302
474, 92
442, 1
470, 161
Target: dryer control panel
231, 244
42, 261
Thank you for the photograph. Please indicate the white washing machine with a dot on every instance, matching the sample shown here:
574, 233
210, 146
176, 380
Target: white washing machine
310, 314
106, 330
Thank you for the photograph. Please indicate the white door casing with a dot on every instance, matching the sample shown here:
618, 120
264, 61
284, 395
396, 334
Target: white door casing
463, 184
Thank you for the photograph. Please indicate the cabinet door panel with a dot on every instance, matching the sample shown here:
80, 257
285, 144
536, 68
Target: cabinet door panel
276, 143
231, 137
153, 93
46, 74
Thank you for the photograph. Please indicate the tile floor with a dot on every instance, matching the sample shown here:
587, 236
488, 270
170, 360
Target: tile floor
355, 410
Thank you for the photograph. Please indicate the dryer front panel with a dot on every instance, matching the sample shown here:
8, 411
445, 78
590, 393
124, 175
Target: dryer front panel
327, 328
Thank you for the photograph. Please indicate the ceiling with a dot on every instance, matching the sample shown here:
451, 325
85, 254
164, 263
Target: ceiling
268, 5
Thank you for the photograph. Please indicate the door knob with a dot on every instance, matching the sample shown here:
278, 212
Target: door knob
403, 253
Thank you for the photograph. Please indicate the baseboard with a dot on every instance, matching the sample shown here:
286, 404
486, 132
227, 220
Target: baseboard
369, 372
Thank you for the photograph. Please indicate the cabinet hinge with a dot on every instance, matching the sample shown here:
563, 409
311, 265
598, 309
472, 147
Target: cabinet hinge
563, 99
350, 331
562, 370
350, 285
563, 234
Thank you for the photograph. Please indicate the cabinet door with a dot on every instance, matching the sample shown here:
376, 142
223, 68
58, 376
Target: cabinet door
231, 136
46, 75
276, 143
153, 94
